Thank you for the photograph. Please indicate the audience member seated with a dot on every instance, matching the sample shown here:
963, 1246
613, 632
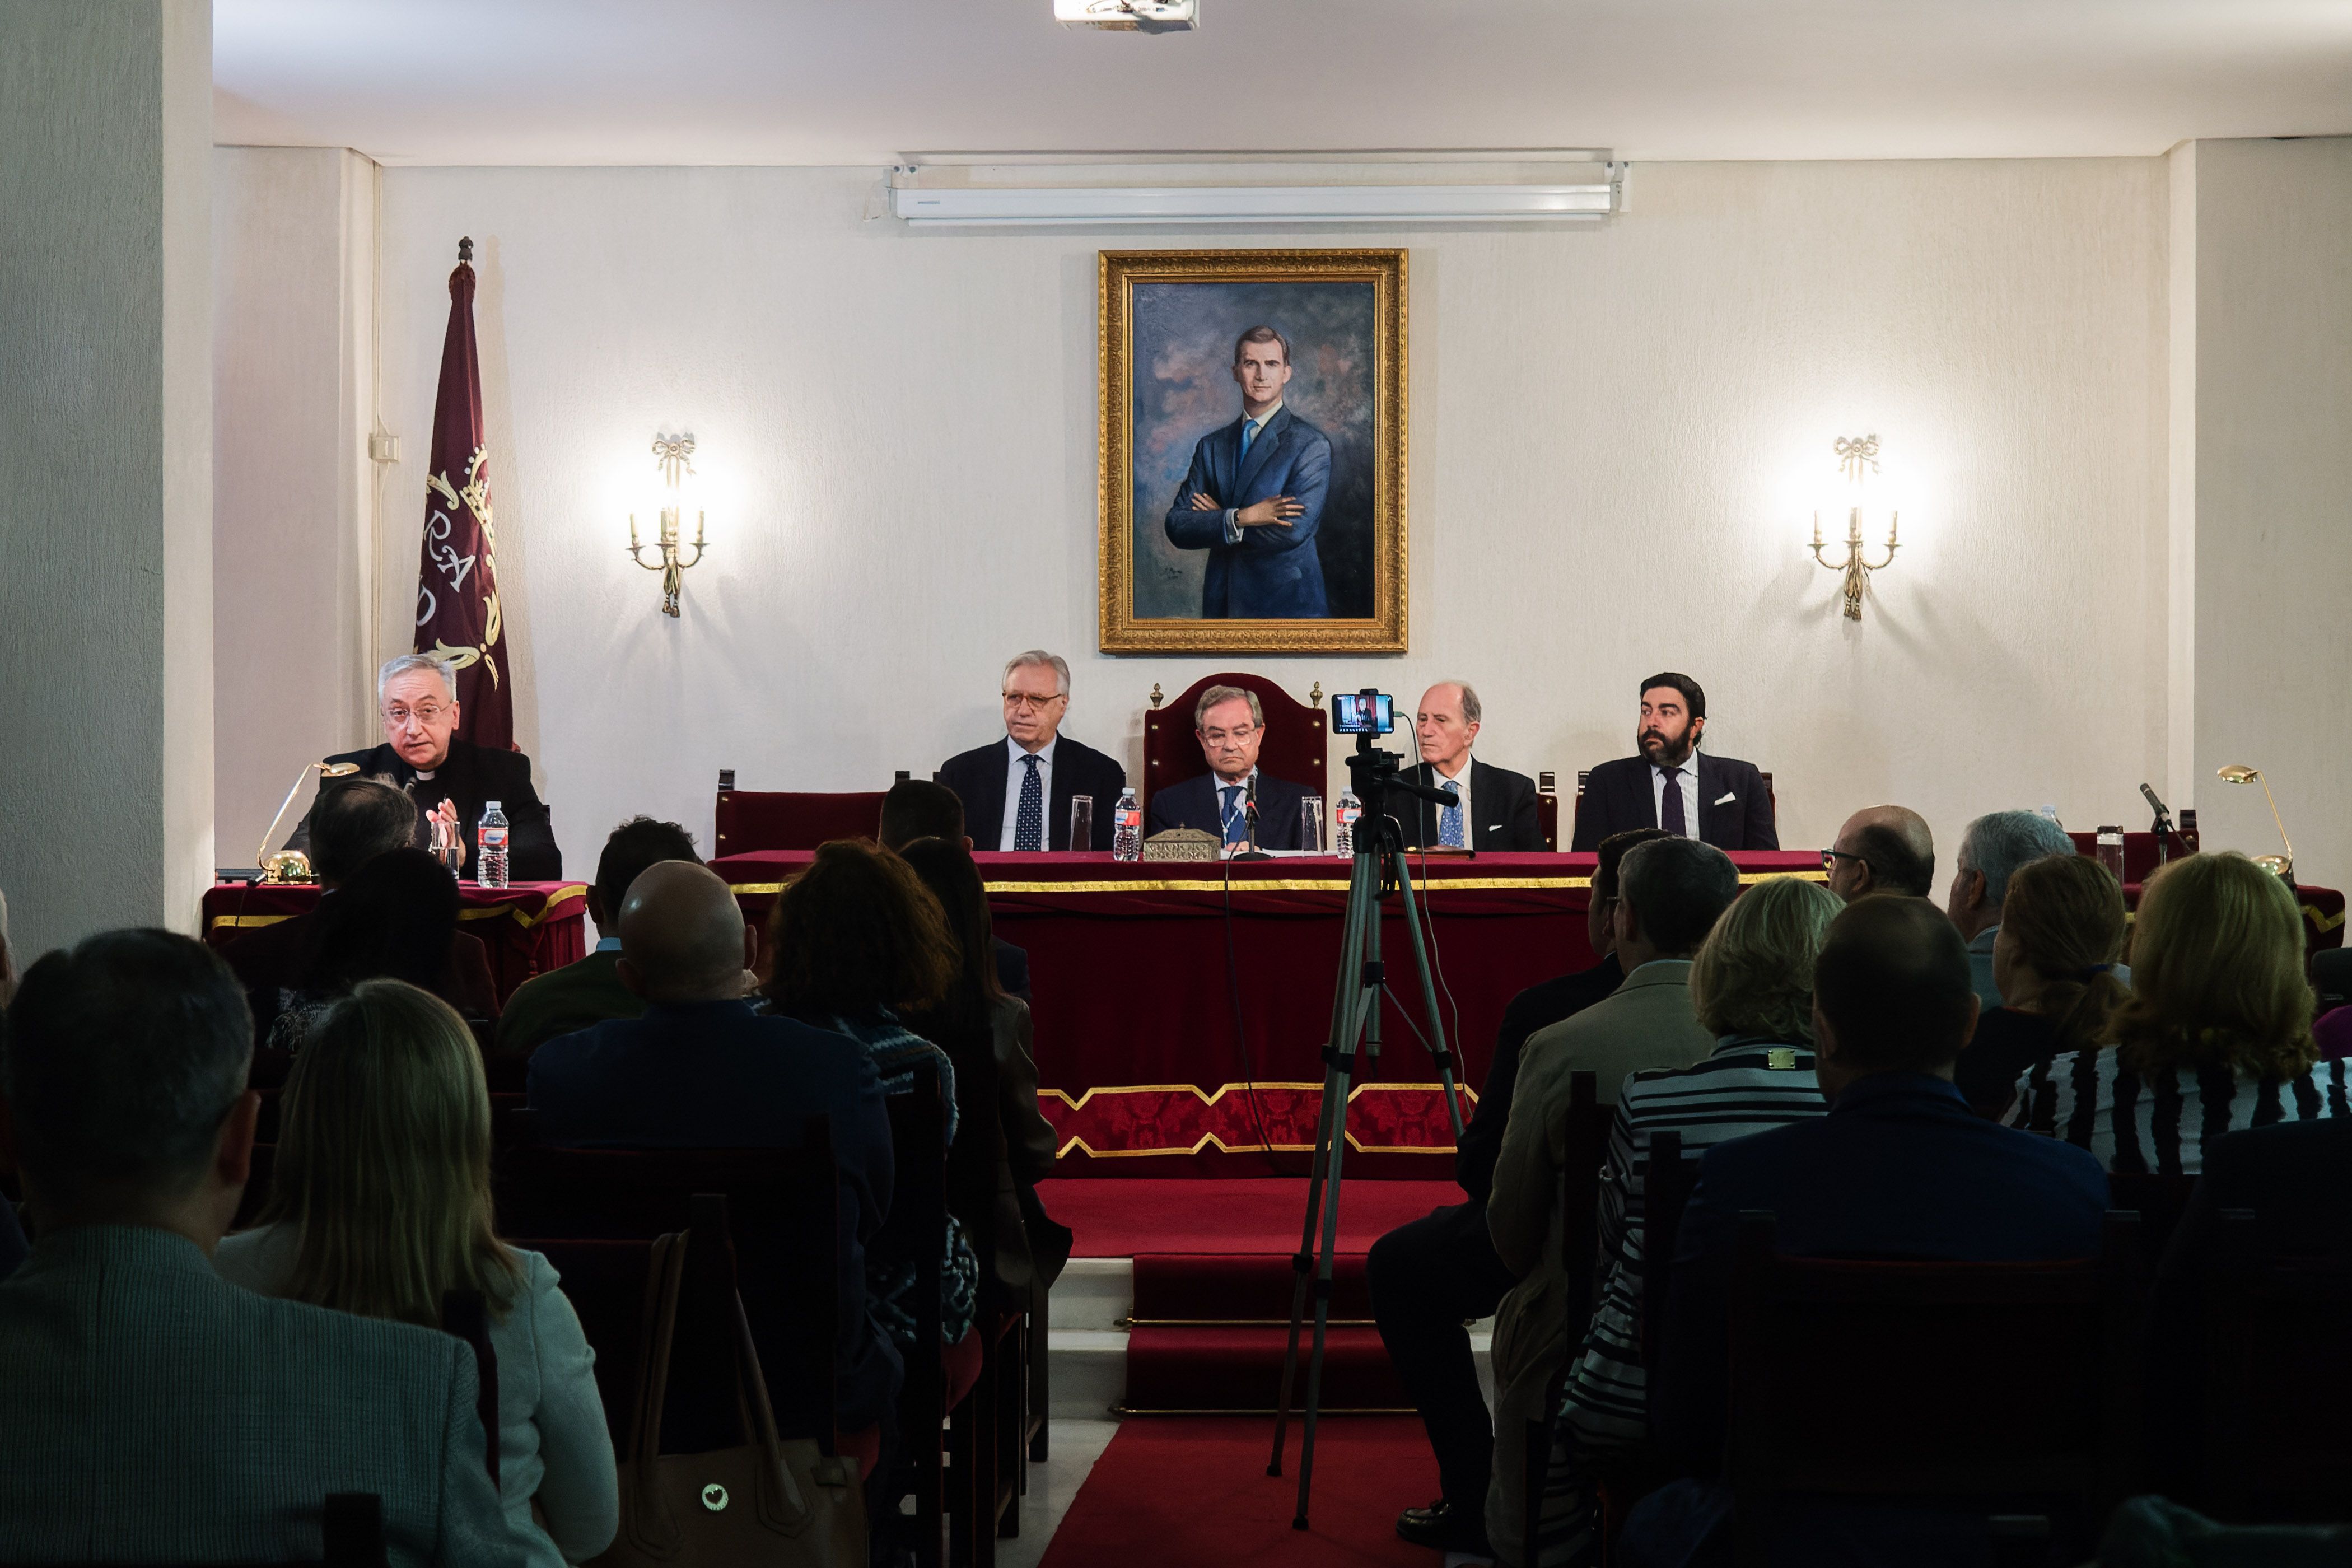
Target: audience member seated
1230, 724
1670, 893
2215, 1035
1900, 1168
352, 824
700, 1069
916, 809
396, 918
1992, 849
856, 941
1752, 987
381, 1202
590, 991
1882, 849
150, 1411
1431, 1276
2054, 961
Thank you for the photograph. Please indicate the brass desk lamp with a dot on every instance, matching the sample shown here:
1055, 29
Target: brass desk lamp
2277, 865
293, 865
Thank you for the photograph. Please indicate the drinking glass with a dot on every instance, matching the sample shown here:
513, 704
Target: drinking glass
1082, 822
1311, 825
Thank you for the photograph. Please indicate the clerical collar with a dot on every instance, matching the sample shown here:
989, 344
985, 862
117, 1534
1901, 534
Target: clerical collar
423, 773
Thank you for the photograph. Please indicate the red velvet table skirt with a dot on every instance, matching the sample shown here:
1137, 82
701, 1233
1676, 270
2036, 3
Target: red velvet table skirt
1138, 972
530, 928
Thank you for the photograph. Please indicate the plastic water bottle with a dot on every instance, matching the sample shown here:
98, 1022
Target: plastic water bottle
1127, 829
490, 848
2052, 813
1343, 824
2110, 848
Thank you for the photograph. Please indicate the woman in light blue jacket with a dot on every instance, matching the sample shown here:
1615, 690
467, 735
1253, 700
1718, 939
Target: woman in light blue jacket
381, 1202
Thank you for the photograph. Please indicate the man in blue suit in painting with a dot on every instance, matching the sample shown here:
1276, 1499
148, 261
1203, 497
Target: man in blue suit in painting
1254, 497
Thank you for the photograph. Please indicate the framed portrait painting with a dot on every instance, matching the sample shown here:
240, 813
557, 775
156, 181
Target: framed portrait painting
1253, 451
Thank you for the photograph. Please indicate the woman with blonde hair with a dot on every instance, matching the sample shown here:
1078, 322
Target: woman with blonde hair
1751, 983
381, 1202
2053, 957
2215, 1036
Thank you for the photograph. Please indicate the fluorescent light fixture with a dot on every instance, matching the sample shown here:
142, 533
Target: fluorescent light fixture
1130, 15
1408, 191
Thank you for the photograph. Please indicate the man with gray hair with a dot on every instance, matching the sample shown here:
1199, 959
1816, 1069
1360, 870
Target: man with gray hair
1495, 809
453, 781
1230, 725
1992, 849
150, 1411
1016, 792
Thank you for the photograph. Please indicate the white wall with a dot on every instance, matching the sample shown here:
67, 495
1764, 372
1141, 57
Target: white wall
105, 722
1613, 433
293, 242
2274, 487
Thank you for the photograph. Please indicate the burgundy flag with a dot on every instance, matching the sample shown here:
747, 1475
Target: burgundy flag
457, 580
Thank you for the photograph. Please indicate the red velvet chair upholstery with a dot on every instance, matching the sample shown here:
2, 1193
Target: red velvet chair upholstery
1295, 745
763, 819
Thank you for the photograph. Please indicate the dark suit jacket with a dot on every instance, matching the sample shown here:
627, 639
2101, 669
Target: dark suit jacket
269, 962
715, 1075
563, 1001
1011, 968
1275, 571
2293, 1175
1502, 810
977, 776
470, 775
1538, 1006
1192, 803
1899, 1168
1619, 797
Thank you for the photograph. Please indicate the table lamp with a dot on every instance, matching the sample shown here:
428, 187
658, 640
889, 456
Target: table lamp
2278, 865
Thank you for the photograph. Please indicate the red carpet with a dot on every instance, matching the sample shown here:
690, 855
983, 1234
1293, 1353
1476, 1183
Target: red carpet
1191, 1491
1121, 1216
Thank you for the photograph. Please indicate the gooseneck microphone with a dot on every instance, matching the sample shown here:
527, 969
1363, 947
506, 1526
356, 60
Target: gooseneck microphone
1249, 823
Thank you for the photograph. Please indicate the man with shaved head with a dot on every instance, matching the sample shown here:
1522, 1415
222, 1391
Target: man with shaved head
701, 1070
1882, 849
1900, 1168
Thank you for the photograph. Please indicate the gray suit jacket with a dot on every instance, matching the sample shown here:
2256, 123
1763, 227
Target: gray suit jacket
150, 1411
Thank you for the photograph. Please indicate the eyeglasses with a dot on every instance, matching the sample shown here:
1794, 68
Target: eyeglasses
1830, 857
428, 715
1022, 701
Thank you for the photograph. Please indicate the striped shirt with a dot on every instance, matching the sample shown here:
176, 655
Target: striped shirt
2134, 1125
1747, 1084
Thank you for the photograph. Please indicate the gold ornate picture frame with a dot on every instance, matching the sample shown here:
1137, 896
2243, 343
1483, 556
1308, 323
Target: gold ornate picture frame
1222, 533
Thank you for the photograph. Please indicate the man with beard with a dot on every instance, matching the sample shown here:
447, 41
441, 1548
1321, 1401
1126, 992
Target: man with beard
1671, 784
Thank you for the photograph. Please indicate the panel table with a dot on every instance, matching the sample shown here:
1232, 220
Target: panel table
530, 928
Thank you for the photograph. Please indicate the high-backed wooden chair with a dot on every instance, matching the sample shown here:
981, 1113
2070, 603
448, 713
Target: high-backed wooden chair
1294, 747
765, 819
2278, 1372
1968, 1383
2158, 1200
1666, 1188
1585, 1142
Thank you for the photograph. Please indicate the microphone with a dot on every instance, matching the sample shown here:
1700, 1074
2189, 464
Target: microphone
2163, 828
1249, 823
326, 770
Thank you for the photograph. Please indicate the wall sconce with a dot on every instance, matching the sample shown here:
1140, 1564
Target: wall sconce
2278, 866
673, 454
1854, 458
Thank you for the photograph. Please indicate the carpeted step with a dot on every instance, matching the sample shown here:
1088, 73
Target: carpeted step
1239, 1289
1240, 1369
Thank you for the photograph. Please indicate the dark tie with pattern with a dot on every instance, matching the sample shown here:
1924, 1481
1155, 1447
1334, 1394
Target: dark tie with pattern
1236, 820
1670, 810
1029, 821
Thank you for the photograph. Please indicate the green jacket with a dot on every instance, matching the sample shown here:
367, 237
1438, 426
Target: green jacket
563, 1001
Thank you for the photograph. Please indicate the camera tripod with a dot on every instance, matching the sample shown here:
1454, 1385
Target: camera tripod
1380, 865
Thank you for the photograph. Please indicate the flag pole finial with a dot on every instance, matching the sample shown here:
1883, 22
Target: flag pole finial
465, 248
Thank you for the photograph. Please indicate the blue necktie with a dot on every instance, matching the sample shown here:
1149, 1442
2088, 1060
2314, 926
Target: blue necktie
1029, 822
1249, 434
1670, 811
1236, 821
1449, 821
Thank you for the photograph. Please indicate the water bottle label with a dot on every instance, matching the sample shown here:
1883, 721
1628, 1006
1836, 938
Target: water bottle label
493, 837
1130, 819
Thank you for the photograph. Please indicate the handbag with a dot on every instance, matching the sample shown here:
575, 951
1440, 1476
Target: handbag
766, 1502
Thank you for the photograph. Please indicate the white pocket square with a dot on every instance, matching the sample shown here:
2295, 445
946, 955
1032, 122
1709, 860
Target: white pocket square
1727, 797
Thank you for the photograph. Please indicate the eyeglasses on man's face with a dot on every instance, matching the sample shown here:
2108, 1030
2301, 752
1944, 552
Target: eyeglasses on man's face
1830, 857
1022, 701
428, 714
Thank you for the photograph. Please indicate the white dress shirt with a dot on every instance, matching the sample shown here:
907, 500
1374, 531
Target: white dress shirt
1233, 527
1015, 771
1686, 778
1461, 782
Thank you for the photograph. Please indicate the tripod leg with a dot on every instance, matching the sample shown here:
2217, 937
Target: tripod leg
1347, 1007
1368, 926
1429, 995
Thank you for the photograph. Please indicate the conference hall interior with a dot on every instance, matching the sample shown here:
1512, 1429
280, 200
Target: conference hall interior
1025, 784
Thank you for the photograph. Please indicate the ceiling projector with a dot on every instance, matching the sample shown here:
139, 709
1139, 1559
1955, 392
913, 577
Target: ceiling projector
1130, 15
